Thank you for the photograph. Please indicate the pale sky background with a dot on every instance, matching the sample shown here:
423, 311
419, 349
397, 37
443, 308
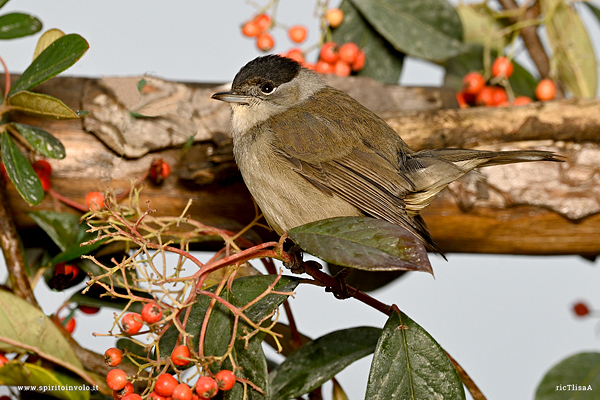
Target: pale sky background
505, 319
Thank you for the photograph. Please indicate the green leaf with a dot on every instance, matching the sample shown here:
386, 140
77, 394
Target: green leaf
363, 243
20, 171
572, 49
42, 141
575, 377
428, 29
16, 374
480, 26
253, 365
16, 25
29, 328
595, 10
321, 359
3, 2
409, 364
41, 104
62, 227
384, 63
57, 57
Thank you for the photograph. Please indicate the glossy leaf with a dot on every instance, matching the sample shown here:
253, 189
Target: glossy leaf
61, 227
363, 243
42, 141
57, 57
409, 364
47, 38
577, 376
26, 374
28, 326
20, 171
41, 104
16, 25
572, 49
383, 62
253, 365
318, 361
428, 29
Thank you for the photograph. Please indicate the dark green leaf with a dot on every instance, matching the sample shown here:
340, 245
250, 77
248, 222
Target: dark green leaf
132, 347
253, 365
318, 361
59, 56
20, 171
42, 141
41, 104
61, 227
384, 63
575, 377
16, 25
363, 243
429, 29
409, 363
3, 2
595, 10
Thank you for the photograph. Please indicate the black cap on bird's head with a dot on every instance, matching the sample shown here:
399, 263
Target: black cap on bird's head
274, 68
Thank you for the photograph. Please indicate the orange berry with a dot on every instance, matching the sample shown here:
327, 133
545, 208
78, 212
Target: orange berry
44, 180
521, 100
131, 323
311, 66
155, 396
116, 379
359, 63
265, 42
545, 90
499, 95
485, 97
296, 55
94, 201
206, 387
113, 357
349, 52
341, 68
125, 392
329, 52
323, 67
151, 313
182, 392
43, 166
250, 29
297, 33
180, 354
159, 171
335, 16
3, 359
473, 82
462, 103
133, 396
69, 325
165, 384
502, 67
263, 22
225, 379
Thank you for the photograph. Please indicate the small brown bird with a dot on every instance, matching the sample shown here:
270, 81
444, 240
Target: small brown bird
308, 152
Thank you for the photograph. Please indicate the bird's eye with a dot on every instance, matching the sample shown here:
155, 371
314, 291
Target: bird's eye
267, 87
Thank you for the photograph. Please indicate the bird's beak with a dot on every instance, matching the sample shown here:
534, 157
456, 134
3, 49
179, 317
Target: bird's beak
231, 97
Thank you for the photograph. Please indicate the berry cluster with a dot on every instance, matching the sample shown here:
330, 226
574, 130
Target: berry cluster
476, 92
333, 58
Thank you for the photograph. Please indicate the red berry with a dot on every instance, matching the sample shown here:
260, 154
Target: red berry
44, 180
165, 384
335, 16
88, 309
265, 42
263, 22
502, 67
159, 171
297, 33
462, 102
116, 379
485, 97
43, 166
473, 82
341, 68
113, 357
296, 55
250, 29
545, 90
323, 67
581, 309
329, 52
155, 396
3, 359
348, 52
206, 387
499, 95
359, 63
182, 392
69, 325
180, 354
133, 396
521, 100
225, 379
131, 323
127, 390
94, 201
151, 313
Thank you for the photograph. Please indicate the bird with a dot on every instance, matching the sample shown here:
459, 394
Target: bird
308, 152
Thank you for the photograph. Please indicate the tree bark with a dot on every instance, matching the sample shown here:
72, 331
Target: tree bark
533, 208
